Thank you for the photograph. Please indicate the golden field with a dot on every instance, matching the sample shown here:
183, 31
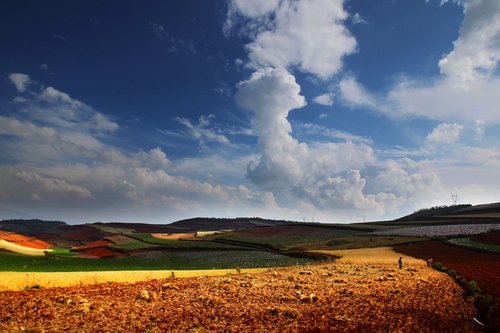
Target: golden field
374, 256
20, 280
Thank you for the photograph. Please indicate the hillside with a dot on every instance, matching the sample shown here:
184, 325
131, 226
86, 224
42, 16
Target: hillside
64, 235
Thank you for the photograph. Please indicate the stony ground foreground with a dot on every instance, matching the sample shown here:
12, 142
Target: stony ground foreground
320, 298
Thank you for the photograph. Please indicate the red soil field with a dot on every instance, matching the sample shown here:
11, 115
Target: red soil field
484, 268
322, 298
35, 244
80, 233
92, 245
100, 252
25, 241
55, 239
16, 238
491, 238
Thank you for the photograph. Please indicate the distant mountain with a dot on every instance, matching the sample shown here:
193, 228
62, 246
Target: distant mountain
29, 227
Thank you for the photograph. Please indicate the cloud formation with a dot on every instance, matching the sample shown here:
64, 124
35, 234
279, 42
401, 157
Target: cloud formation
322, 178
477, 51
325, 99
60, 166
445, 133
309, 35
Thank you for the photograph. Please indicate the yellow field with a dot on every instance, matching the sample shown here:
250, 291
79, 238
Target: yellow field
374, 256
19, 280
21, 249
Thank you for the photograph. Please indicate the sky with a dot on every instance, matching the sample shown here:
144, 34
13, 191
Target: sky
303, 110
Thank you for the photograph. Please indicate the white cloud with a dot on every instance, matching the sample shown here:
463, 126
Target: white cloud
468, 88
412, 186
477, 51
26, 185
356, 19
54, 96
306, 34
103, 124
271, 94
201, 132
445, 133
443, 100
480, 128
303, 175
11, 126
325, 99
332, 133
156, 159
55, 108
20, 80
354, 94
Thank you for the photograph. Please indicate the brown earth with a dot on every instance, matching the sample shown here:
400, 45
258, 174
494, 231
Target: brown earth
319, 298
481, 267
80, 233
97, 253
490, 238
484, 268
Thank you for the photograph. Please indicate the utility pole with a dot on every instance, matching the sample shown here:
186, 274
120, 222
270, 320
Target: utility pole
455, 198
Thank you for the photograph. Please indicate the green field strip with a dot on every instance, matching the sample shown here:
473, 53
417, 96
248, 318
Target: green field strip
158, 260
469, 243
149, 239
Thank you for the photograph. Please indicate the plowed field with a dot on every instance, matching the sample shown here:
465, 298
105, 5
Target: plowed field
484, 268
319, 298
491, 238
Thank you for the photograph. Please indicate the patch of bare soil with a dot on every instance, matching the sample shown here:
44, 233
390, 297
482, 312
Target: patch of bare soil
481, 267
490, 238
319, 298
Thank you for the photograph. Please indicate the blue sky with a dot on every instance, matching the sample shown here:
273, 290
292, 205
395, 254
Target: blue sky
324, 110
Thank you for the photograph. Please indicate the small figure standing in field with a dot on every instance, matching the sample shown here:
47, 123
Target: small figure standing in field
429, 262
400, 261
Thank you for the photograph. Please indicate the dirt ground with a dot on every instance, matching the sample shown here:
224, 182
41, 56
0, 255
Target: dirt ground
491, 238
318, 298
481, 267
484, 268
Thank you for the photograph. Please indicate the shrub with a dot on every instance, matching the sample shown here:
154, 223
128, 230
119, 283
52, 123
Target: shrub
472, 286
35, 286
452, 273
439, 267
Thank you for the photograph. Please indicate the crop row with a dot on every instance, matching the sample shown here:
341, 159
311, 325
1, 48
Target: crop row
231, 259
441, 230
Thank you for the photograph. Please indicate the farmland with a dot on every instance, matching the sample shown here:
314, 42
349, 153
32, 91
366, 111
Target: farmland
201, 275
330, 297
484, 268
